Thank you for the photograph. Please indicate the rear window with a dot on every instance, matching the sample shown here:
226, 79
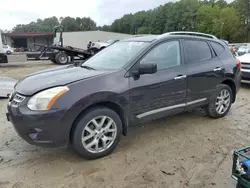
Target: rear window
196, 51
218, 48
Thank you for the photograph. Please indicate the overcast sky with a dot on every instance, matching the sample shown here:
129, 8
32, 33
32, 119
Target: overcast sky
101, 11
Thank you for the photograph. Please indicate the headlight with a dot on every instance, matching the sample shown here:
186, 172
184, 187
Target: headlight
45, 99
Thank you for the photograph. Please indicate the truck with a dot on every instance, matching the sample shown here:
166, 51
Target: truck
59, 53
98, 46
3, 55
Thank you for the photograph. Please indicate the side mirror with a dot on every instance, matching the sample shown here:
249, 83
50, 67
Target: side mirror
149, 68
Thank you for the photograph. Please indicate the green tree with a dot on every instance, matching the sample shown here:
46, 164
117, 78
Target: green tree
231, 21
243, 8
105, 28
158, 21
143, 30
229, 24
206, 18
221, 3
47, 25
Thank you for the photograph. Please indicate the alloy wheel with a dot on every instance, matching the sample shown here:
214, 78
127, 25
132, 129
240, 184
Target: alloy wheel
99, 134
223, 101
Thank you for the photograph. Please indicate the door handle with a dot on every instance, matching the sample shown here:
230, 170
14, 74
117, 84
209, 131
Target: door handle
218, 69
180, 77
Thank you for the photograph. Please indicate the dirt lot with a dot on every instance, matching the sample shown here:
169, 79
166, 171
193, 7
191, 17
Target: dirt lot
188, 150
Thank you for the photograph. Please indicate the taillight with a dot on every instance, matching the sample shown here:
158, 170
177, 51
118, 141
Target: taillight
238, 63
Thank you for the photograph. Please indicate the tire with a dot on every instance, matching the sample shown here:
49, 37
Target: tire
52, 59
84, 127
239, 186
8, 52
94, 50
221, 90
61, 58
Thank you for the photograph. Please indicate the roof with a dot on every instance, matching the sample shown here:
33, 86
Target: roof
186, 34
143, 38
30, 34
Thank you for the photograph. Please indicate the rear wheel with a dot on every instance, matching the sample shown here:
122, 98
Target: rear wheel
97, 133
3, 58
221, 102
61, 58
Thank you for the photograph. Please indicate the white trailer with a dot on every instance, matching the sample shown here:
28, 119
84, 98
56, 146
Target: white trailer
3, 56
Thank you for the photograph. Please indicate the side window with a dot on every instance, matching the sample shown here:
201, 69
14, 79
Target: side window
196, 51
218, 48
165, 55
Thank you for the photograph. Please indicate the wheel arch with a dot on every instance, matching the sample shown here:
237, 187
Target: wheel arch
231, 84
111, 105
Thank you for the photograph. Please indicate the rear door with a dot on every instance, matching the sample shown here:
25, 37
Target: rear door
205, 71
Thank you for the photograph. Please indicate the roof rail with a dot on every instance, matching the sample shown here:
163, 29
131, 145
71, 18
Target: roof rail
188, 33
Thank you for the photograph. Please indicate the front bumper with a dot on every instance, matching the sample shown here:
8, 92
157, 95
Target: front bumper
245, 74
45, 129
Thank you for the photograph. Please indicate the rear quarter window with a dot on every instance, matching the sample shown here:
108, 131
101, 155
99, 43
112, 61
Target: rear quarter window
196, 51
218, 48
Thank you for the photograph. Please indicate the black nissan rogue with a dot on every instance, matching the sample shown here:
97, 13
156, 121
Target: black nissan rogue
91, 105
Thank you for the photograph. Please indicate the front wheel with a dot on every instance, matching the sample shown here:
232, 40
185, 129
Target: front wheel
97, 133
8, 52
221, 102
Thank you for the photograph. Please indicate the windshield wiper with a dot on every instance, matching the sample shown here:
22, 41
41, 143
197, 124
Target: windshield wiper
87, 67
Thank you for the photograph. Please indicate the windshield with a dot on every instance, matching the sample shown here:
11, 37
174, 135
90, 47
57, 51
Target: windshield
115, 56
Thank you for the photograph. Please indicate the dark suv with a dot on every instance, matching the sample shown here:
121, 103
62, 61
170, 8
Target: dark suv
91, 105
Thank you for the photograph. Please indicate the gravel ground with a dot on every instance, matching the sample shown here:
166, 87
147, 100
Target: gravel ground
187, 150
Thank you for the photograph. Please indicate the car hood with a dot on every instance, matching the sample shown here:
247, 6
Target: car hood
6, 82
54, 77
244, 58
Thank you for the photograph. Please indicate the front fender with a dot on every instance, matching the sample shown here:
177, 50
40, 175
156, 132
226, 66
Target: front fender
79, 106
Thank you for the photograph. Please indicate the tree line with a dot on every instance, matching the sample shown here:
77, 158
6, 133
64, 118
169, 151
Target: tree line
229, 21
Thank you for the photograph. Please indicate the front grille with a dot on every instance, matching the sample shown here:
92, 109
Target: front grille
245, 65
241, 53
17, 100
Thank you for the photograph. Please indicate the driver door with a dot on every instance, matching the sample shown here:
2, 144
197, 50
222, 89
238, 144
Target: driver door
164, 92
